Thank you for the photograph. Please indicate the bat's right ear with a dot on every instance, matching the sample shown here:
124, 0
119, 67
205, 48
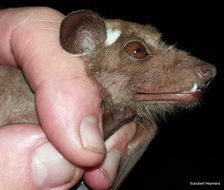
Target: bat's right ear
82, 31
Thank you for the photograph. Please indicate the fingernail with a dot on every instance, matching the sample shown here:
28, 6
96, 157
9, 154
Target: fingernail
110, 165
50, 168
91, 136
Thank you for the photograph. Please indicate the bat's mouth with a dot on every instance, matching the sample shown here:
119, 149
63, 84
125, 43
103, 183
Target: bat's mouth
182, 96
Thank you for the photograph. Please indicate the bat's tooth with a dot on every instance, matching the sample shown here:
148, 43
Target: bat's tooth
194, 88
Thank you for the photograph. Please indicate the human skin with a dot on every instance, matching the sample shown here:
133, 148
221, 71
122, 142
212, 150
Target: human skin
29, 39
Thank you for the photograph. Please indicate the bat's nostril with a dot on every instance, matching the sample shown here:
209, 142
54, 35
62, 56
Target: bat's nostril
206, 72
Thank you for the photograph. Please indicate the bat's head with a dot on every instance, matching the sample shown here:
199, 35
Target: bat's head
139, 74
134, 66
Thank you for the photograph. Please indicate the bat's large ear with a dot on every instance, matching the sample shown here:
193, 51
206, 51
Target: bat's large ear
82, 31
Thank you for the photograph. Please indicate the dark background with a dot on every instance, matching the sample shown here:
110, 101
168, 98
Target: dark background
189, 147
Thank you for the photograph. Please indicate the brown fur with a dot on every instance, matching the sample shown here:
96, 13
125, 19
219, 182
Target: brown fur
132, 89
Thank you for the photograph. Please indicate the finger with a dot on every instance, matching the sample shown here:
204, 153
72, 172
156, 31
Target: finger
134, 150
29, 161
67, 101
63, 117
103, 176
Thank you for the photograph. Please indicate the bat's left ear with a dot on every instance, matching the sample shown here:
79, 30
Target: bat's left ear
82, 31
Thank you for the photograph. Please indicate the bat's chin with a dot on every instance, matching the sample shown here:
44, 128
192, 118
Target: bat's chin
183, 96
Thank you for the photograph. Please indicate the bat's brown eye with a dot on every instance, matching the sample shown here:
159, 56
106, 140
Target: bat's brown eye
136, 49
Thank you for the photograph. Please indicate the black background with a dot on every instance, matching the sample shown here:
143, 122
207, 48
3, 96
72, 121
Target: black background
189, 147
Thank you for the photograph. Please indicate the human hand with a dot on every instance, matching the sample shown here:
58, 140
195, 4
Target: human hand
68, 108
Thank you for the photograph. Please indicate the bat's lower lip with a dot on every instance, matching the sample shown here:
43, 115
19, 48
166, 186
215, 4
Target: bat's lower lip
174, 97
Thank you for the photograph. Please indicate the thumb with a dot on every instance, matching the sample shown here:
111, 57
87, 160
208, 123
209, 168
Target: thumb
69, 114
67, 101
